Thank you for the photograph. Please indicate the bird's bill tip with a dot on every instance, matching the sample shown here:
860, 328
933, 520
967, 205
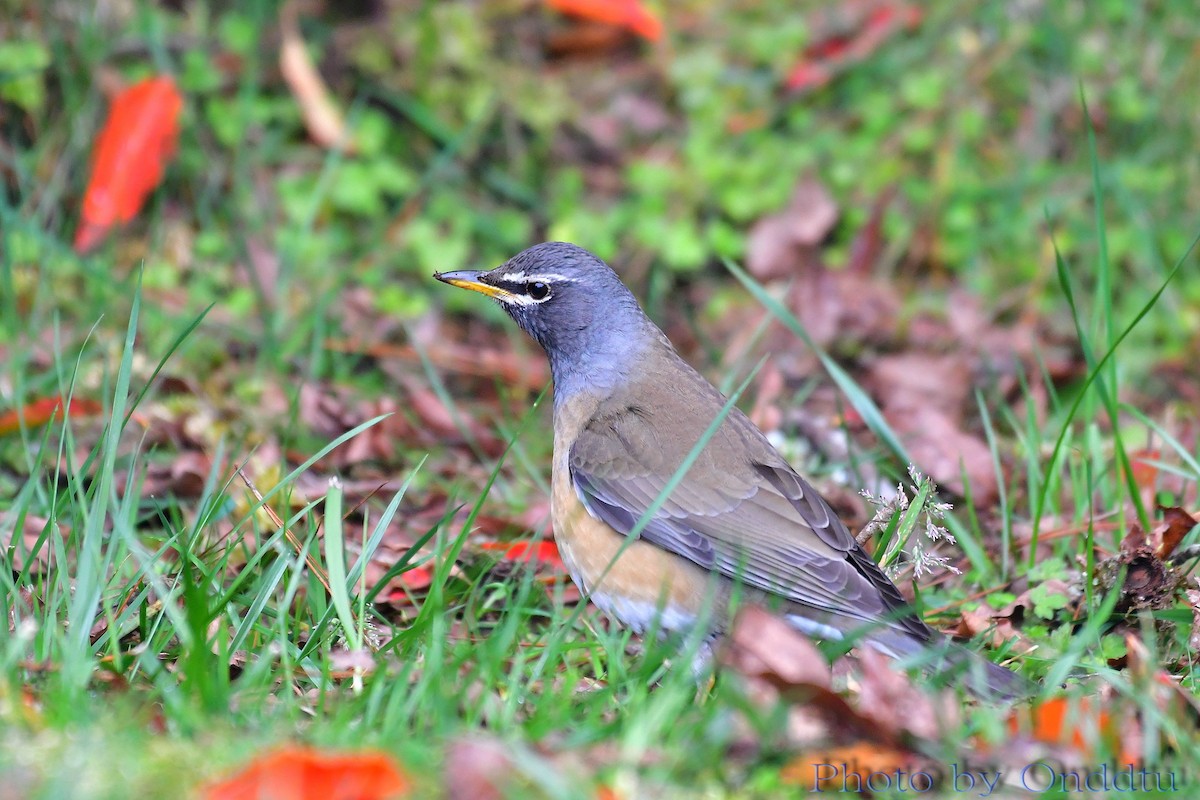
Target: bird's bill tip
470, 279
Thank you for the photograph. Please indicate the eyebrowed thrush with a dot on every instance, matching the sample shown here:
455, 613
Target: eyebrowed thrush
628, 410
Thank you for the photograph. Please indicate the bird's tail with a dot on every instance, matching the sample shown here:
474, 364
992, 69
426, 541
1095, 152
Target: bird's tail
954, 663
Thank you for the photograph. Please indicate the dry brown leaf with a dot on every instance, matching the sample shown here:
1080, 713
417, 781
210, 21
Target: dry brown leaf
478, 768
924, 396
897, 706
1176, 524
322, 117
940, 448
1000, 628
20, 544
920, 380
782, 243
779, 662
761, 644
183, 476
843, 306
868, 244
835, 741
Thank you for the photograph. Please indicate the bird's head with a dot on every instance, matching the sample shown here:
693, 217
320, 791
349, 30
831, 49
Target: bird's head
571, 303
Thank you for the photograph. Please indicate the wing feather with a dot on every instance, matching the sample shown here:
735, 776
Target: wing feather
740, 509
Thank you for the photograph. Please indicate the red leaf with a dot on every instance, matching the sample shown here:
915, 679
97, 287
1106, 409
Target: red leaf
870, 25
1143, 469
628, 14
301, 773
411, 580
529, 552
41, 411
134, 146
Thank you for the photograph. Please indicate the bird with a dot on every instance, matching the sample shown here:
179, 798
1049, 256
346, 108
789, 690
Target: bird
740, 523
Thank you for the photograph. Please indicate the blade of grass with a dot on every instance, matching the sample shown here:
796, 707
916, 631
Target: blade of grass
1093, 374
90, 566
335, 561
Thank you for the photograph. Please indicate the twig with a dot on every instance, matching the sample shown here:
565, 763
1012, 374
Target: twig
309, 558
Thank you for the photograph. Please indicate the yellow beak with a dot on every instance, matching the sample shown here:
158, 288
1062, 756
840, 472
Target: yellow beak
469, 279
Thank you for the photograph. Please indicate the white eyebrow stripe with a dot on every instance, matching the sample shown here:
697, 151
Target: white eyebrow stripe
544, 277
517, 300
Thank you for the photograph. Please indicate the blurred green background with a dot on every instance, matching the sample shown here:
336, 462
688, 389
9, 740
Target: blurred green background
960, 133
482, 127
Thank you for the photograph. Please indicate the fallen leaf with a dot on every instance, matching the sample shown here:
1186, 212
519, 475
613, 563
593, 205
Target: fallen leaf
478, 768
868, 243
137, 140
897, 705
352, 661
761, 644
941, 448
628, 14
545, 552
847, 35
1177, 524
585, 40
840, 306
834, 740
916, 379
781, 243
185, 475
322, 118
766, 414
781, 664
862, 768
44, 410
1143, 469
1000, 629
1080, 723
20, 544
401, 587
301, 773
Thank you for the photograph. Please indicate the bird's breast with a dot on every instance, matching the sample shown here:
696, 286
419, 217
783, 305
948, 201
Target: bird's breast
634, 582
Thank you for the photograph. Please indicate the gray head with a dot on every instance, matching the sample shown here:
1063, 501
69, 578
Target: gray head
574, 306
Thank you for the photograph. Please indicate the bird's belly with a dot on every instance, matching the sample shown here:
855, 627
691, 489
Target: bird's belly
636, 585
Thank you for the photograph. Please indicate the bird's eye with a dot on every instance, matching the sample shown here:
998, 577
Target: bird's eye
538, 290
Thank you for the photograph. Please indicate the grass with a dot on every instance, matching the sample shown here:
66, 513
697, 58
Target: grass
173, 639
152, 610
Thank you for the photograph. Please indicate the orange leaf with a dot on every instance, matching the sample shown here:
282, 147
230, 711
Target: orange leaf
859, 768
134, 146
628, 14
1061, 721
41, 411
529, 552
301, 773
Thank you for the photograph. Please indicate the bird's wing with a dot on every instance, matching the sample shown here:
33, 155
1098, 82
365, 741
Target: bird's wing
739, 510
